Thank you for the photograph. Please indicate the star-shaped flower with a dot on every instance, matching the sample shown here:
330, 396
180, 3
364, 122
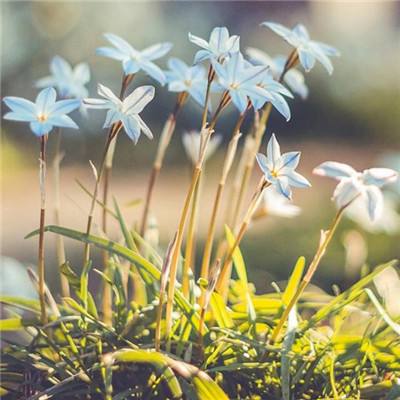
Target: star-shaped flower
279, 170
135, 60
44, 113
191, 142
353, 184
182, 78
308, 50
218, 48
243, 82
126, 111
293, 78
70, 82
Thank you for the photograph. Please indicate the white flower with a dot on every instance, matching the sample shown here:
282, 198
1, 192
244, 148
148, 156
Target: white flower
353, 184
182, 78
218, 48
134, 60
191, 143
70, 82
277, 205
126, 111
308, 50
293, 78
279, 169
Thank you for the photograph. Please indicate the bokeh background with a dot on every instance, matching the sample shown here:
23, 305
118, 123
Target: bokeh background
352, 116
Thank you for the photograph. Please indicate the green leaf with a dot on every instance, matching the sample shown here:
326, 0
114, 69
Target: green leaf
157, 360
385, 316
22, 303
11, 324
294, 281
241, 271
220, 311
345, 298
130, 256
69, 273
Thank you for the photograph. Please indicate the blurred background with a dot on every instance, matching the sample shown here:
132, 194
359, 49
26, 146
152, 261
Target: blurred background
352, 116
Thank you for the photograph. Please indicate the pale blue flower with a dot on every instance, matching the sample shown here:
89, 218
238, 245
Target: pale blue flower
246, 82
192, 140
134, 60
353, 184
218, 48
44, 113
309, 51
70, 82
279, 170
182, 78
293, 78
126, 111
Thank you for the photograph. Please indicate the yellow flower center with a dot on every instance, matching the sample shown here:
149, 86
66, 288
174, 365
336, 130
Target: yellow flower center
274, 173
42, 117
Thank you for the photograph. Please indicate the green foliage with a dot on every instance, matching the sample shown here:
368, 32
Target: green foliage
78, 356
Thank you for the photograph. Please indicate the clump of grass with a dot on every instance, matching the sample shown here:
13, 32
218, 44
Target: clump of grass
155, 331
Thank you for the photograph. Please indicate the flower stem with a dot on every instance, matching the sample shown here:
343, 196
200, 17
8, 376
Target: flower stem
60, 248
190, 241
41, 265
185, 210
210, 78
238, 198
223, 280
114, 131
107, 291
229, 157
326, 239
168, 130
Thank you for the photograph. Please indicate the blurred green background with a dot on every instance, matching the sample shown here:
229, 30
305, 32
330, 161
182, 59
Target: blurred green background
352, 116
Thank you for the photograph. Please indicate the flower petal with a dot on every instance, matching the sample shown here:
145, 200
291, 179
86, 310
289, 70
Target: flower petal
138, 99
178, 66
97, 103
262, 162
110, 52
278, 29
297, 180
82, 73
273, 151
130, 66
335, 170
290, 159
40, 128
45, 100
239, 99
307, 59
16, 116
154, 71
283, 187
146, 130
156, 51
64, 106
201, 56
21, 106
63, 121
132, 127
198, 41
60, 68
346, 191
379, 176
121, 44
107, 93
374, 202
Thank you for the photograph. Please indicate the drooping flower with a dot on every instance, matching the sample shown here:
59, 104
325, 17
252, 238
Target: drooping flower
191, 143
309, 51
126, 111
182, 78
279, 170
352, 184
219, 47
44, 114
134, 60
247, 83
293, 78
69, 81
276, 205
